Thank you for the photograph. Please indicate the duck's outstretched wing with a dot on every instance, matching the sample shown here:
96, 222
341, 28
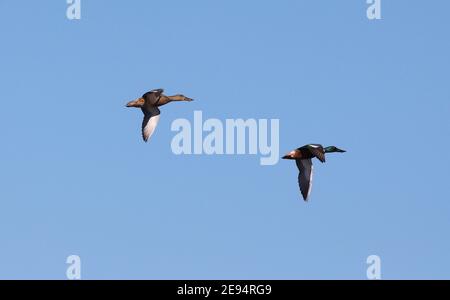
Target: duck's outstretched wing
151, 119
317, 151
305, 176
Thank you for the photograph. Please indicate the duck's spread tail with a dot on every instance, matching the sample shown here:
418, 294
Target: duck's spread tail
139, 102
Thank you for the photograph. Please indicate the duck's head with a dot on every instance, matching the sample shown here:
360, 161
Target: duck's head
333, 149
182, 97
139, 102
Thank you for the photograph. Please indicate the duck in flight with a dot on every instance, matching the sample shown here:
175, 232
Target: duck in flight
149, 104
303, 157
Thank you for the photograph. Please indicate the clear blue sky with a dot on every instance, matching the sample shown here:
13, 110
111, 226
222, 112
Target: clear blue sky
76, 178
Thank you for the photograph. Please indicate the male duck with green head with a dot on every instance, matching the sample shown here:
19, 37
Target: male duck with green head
303, 157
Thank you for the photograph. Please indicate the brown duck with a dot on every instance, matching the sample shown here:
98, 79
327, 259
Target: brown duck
149, 104
303, 157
